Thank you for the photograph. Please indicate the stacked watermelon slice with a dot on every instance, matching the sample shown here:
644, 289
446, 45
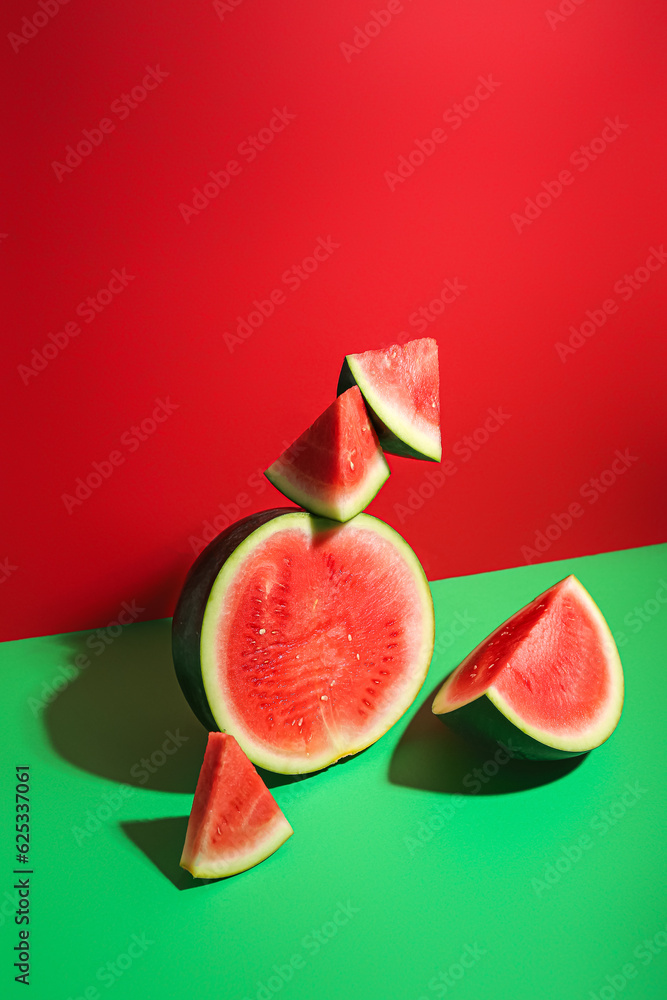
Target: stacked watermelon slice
388, 401
303, 634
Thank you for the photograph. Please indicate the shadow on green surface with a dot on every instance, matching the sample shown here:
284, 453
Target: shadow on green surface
123, 716
161, 840
432, 757
274, 780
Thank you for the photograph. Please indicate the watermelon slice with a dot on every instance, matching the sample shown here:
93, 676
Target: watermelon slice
235, 822
337, 466
548, 680
303, 637
401, 386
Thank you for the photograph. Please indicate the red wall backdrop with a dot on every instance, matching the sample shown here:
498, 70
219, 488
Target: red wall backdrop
503, 161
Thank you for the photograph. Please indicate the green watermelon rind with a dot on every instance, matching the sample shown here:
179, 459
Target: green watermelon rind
491, 717
347, 505
397, 435
189, 613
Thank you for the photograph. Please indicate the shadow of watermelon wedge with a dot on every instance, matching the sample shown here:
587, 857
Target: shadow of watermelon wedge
431, 756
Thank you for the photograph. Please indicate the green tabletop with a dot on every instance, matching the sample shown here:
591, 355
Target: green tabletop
420, 868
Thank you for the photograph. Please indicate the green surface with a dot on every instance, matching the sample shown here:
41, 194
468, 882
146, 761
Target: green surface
545, 879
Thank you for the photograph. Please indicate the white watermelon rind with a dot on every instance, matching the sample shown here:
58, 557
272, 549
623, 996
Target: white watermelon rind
348, 503
274, 836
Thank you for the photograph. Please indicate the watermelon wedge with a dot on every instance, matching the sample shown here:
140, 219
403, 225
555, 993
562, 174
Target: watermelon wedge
401, 386
337, 466
548, 680
235, 822
303, 637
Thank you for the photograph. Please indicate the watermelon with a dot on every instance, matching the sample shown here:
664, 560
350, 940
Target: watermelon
303, 637
401, 386
337, 466
548, 681
235, 822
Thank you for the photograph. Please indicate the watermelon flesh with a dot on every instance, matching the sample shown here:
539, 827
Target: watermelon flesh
235, 822
401, 386
314, 636
336, 467
549, 678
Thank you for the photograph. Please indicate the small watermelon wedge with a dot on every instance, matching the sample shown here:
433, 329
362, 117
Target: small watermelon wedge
548, 680
235, 822
337, 466
401, 386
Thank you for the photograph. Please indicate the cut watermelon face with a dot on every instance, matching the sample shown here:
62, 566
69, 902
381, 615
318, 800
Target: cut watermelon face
337, 466
304, 638
401, 386
549, 678
235, 822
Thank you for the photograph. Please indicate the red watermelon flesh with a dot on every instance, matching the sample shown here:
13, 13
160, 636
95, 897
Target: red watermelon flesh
552, 670
401, 385
335, 468
235, 822
315, 639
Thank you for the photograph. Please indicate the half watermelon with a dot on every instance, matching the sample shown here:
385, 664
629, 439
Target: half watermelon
235, 822
548, 680
303, 637
337, 466
401, 386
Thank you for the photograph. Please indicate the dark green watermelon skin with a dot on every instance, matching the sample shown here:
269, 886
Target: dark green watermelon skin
481, 718
189, 613
390, 443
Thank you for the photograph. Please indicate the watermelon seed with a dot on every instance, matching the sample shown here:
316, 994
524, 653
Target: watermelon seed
262, 631
351, 465
324, 697
349, 637
300, 720
357, 656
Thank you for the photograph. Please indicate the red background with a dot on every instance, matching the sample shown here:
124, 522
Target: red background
323, 175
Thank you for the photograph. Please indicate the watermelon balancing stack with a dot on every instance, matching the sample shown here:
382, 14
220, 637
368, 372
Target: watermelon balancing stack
302, 635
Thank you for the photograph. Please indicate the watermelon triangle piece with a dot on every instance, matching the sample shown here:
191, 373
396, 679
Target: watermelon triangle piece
401, 386
235, 822
548, 681
336, 467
